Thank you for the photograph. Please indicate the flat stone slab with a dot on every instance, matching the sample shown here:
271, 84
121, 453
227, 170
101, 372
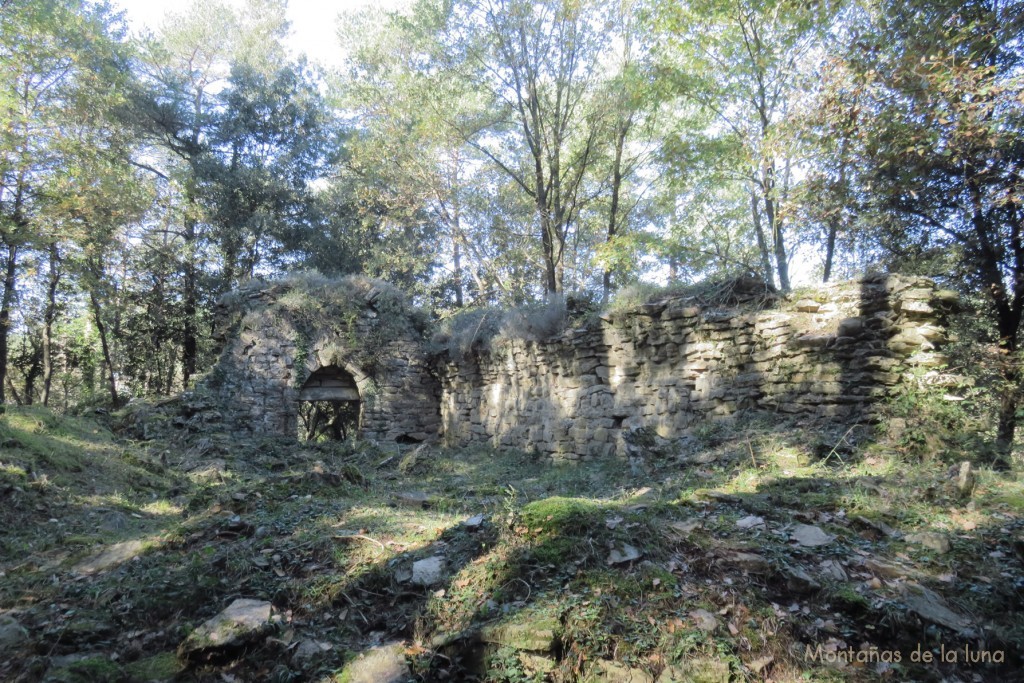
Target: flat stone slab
242, 621
385, 664
111, 557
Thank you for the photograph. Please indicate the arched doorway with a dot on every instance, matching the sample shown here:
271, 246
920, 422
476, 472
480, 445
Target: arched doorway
329, 405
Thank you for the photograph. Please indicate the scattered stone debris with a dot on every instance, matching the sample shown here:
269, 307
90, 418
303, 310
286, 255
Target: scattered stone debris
474, 523
623, 554
704, 620
111, 557
810, 536
384, 664
750, 522
931, 607
12, 633
242, 621
931, 540
413, 499
428, 572
308, 652
799, 581
965, 480
747, 562
686, 526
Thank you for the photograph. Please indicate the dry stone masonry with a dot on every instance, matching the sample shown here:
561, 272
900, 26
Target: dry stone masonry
673, 364
668, 365
281, 338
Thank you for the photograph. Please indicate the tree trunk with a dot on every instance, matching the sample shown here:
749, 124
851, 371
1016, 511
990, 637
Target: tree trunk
830, 247
613, 213
767, 271
48, 317
105, 346
457, 265
5, 313
189, 327
775, 225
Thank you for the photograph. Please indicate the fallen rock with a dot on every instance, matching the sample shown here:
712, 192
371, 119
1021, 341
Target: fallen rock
534, 635
112, 556
243, 620
750, 521
687, 526
965, 480
931, 607
747, 562
308, 652
384, 664
810, 536
881, 527
474, 522
428, 572
799, 581
12, 633
704, 670
930, 539
623, 555
412, 499
833, 569
883, 569
704, 620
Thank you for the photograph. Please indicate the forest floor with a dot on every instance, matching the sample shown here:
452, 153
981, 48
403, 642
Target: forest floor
760, 551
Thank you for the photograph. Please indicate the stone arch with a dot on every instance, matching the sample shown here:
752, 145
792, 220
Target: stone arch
331, 402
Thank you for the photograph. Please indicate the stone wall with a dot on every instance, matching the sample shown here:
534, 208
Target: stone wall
670, 365
269, 351
667, 365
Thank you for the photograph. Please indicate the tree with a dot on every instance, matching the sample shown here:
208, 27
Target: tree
61, 65
538, 61
742, 66
939, 142
238, 134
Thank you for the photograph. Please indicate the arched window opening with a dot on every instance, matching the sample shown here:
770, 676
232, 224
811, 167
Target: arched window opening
329, 406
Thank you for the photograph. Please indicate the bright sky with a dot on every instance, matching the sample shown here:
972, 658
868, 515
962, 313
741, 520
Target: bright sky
313, 22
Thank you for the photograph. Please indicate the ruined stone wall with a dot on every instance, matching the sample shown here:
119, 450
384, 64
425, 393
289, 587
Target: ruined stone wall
268, 356
670, 365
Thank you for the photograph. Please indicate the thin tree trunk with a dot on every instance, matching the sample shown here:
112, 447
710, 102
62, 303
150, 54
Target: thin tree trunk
833, 221
762, 242
48, 317
5, 313
457, 265
14, 391
189, 331
105, 346
613, 212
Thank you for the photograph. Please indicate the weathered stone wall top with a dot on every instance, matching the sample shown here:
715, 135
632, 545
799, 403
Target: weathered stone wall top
670, 364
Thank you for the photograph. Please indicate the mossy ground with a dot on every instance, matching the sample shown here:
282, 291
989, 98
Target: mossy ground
322, 532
